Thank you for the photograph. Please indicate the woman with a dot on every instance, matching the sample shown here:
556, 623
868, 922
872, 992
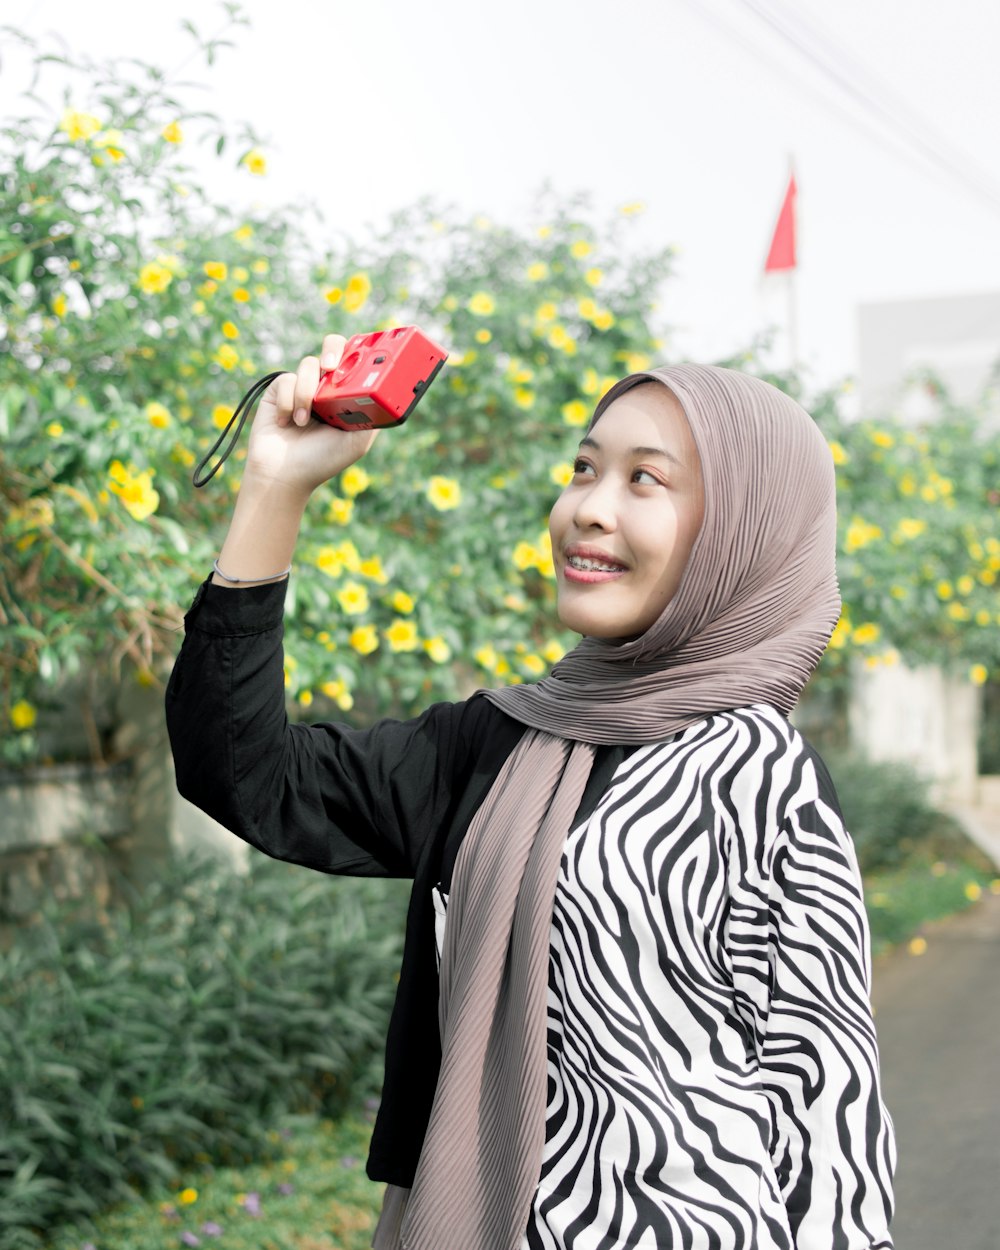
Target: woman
650, 1023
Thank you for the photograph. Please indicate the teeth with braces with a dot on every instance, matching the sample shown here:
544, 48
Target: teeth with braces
585, 564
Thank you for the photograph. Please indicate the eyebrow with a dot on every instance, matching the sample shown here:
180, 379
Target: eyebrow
638, 451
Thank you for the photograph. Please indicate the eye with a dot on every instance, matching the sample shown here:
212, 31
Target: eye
581, 466
650, 479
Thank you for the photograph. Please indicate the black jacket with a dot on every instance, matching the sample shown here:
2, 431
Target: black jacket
393, 800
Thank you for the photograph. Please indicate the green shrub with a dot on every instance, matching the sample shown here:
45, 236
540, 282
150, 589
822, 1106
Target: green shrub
177, 1031
891, 818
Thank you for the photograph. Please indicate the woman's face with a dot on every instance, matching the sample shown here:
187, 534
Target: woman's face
623, 529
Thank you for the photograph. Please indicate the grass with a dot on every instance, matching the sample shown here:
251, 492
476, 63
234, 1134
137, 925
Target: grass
313, 1195
900, 901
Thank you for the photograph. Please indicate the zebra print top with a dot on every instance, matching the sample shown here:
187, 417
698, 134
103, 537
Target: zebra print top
712, 1064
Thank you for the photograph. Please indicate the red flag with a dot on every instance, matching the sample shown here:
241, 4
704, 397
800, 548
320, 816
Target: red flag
782, 253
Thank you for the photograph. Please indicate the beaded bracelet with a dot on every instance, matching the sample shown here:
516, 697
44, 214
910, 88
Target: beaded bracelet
246, 581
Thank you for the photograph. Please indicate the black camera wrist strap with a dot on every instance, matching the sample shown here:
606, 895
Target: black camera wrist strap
242, 411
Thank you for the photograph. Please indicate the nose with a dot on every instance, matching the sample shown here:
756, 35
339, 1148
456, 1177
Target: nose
595, 506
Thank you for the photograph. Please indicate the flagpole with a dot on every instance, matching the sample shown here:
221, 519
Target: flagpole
782, 259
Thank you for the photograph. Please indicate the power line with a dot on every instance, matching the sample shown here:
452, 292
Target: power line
897, 115
807, 86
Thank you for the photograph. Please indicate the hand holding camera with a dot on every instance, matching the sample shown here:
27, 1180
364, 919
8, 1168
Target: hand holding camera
358, 386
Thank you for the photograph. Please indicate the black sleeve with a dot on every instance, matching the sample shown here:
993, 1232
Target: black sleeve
329, 797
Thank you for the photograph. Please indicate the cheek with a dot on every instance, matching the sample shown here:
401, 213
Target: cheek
558, 519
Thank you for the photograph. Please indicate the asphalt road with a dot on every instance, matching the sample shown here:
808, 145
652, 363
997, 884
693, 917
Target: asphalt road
938, 1022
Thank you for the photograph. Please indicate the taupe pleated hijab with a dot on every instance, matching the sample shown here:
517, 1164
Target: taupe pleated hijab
756, 605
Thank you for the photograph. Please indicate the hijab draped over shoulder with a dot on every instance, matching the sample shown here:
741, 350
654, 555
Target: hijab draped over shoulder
754, 610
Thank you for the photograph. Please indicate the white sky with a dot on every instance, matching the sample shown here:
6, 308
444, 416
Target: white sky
691, 106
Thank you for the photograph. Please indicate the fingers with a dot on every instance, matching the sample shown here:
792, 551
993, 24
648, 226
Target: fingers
333, 349
294, 392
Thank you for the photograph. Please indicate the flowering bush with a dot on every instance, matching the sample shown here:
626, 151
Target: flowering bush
919, 558
135, 314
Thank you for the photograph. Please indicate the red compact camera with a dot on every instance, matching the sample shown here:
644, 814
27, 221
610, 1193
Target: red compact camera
380, 379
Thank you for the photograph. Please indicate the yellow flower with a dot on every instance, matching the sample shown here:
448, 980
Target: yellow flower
546, 312
983, 617
575, 412
444, 493
354, 480
543, 232
587, 308
134, 488
632, 209
187, 1196
228, 357
217, 270
594, 277
154, 278
79, 125
402, 635
402, 602
881, 439
230, 331
54, 429
590, 384
305, 698
364, 639
255, 161
182, 455
372, 568
483, 335
560, 338
917, 946
978, 674
340, 510
23, 715
524, 397
60, 304
866, 633
534, 664
356, 292
945, 590
859, 534
243, 234
220, 416
241, 295
339, 693
172, 133
561, 474
966, 585
910, 527
958, 611
538, 272
157, 416
907, 484
553, 651
636, 362
260, 266
580, 249
353, 598
486, 657
348, 554
604, 320
198, 307
973, 891
525, 556
482, 304
437, 649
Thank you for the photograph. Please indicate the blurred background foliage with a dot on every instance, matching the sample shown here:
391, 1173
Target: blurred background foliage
135, 312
